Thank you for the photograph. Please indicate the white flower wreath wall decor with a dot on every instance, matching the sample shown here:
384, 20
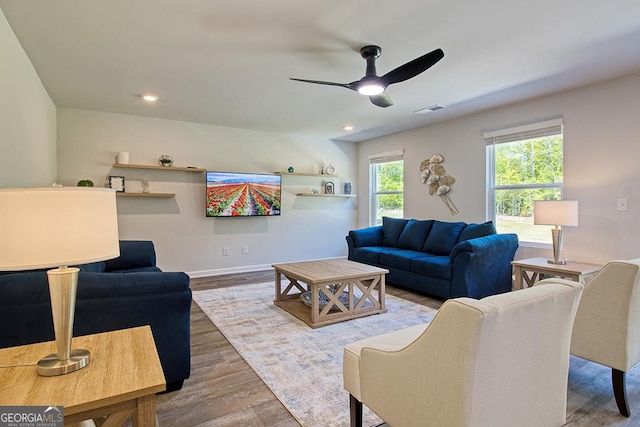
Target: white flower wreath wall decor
434, 175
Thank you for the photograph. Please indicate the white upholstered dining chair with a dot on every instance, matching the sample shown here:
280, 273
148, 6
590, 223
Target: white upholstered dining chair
499, 361
607, 325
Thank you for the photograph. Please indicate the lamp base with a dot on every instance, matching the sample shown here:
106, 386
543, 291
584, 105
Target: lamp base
51, 366
558, 262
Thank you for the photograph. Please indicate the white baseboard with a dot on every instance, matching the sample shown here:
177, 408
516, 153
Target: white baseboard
242, 269
231, 270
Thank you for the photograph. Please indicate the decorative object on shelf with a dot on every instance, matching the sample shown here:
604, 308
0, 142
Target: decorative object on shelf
290, 169
117, 183
80, 226
123, 158
314, 191
85, 183
329, 188
330, 170
322, 170
145, 186
347, 188
165, 160
559, 213
434, 175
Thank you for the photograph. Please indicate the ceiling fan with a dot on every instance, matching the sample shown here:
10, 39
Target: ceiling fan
374, 86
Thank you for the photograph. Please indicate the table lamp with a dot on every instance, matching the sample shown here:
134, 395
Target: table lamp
58, 227
559, 213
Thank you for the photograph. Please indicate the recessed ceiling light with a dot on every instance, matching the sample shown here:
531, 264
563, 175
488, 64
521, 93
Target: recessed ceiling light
347, 127
149, 98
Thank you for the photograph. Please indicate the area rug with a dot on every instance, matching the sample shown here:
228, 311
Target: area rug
302, 366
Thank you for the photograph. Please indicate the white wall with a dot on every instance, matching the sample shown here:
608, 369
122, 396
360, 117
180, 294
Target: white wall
27, 118
601, 152
185, 240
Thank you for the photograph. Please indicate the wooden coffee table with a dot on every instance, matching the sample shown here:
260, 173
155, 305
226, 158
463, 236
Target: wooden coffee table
351, 289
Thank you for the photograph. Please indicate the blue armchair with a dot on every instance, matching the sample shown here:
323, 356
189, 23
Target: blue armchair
125, 292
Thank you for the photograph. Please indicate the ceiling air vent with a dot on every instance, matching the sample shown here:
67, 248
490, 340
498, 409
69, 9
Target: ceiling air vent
430, 109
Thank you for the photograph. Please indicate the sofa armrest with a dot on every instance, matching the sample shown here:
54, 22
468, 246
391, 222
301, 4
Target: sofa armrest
370, 236
482, 266
114, 285
133, 254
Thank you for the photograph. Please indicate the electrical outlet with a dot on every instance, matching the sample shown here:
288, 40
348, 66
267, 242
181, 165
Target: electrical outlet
225, 251
622, 205
245, 250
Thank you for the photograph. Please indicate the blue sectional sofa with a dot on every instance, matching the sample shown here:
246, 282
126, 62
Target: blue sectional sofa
445, 259
121, 293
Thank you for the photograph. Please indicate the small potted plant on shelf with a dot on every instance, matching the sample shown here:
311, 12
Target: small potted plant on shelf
165, 160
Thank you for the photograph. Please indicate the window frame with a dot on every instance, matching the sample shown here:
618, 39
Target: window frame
376, 159
515, 134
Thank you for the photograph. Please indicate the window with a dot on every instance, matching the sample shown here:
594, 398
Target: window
386, 186
524, 164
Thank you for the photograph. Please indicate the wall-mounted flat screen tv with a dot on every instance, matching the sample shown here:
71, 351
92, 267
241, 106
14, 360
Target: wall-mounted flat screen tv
243, 194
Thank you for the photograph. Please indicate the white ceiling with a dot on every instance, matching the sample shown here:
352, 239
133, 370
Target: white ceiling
228, 62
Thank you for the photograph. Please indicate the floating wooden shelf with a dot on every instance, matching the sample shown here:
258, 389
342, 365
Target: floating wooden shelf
164, 168
121, 194
324, 175
348, 196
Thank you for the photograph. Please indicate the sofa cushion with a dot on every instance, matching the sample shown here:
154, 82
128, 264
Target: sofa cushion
391, 230
443, 237
133, 254
472, 231
368, 254
433, 266
398, 258
414, 234
94, 267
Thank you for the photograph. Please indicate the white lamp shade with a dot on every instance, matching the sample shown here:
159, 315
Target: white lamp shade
555, 212
57, 226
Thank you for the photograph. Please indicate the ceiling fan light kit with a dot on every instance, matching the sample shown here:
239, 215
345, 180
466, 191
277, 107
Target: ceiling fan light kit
374, 86
370, 89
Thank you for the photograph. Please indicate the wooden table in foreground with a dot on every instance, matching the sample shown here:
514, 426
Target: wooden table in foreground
362, 284
122, 379
572, 270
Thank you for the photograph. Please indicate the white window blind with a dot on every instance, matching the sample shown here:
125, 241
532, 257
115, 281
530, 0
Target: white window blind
391, 156
525, 132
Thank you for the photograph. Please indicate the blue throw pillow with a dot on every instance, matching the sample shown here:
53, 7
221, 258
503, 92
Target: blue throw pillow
391, 230
414, 234
473, 231
443, 237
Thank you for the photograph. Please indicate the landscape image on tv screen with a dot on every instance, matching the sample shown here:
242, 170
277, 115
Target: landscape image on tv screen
242, 194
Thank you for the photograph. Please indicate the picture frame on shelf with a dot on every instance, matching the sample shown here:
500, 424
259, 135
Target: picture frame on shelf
329, 188
117, 183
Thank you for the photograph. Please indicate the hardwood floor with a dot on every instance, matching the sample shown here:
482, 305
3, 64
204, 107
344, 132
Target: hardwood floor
224, 391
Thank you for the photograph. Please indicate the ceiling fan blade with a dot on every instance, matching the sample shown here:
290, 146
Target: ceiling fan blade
412, 68
383, 100
320, 82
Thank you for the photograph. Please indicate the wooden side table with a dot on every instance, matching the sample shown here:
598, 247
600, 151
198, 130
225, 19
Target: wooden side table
121, 380
528, 271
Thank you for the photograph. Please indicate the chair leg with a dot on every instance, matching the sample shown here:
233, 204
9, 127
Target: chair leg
619, 380
355, 407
